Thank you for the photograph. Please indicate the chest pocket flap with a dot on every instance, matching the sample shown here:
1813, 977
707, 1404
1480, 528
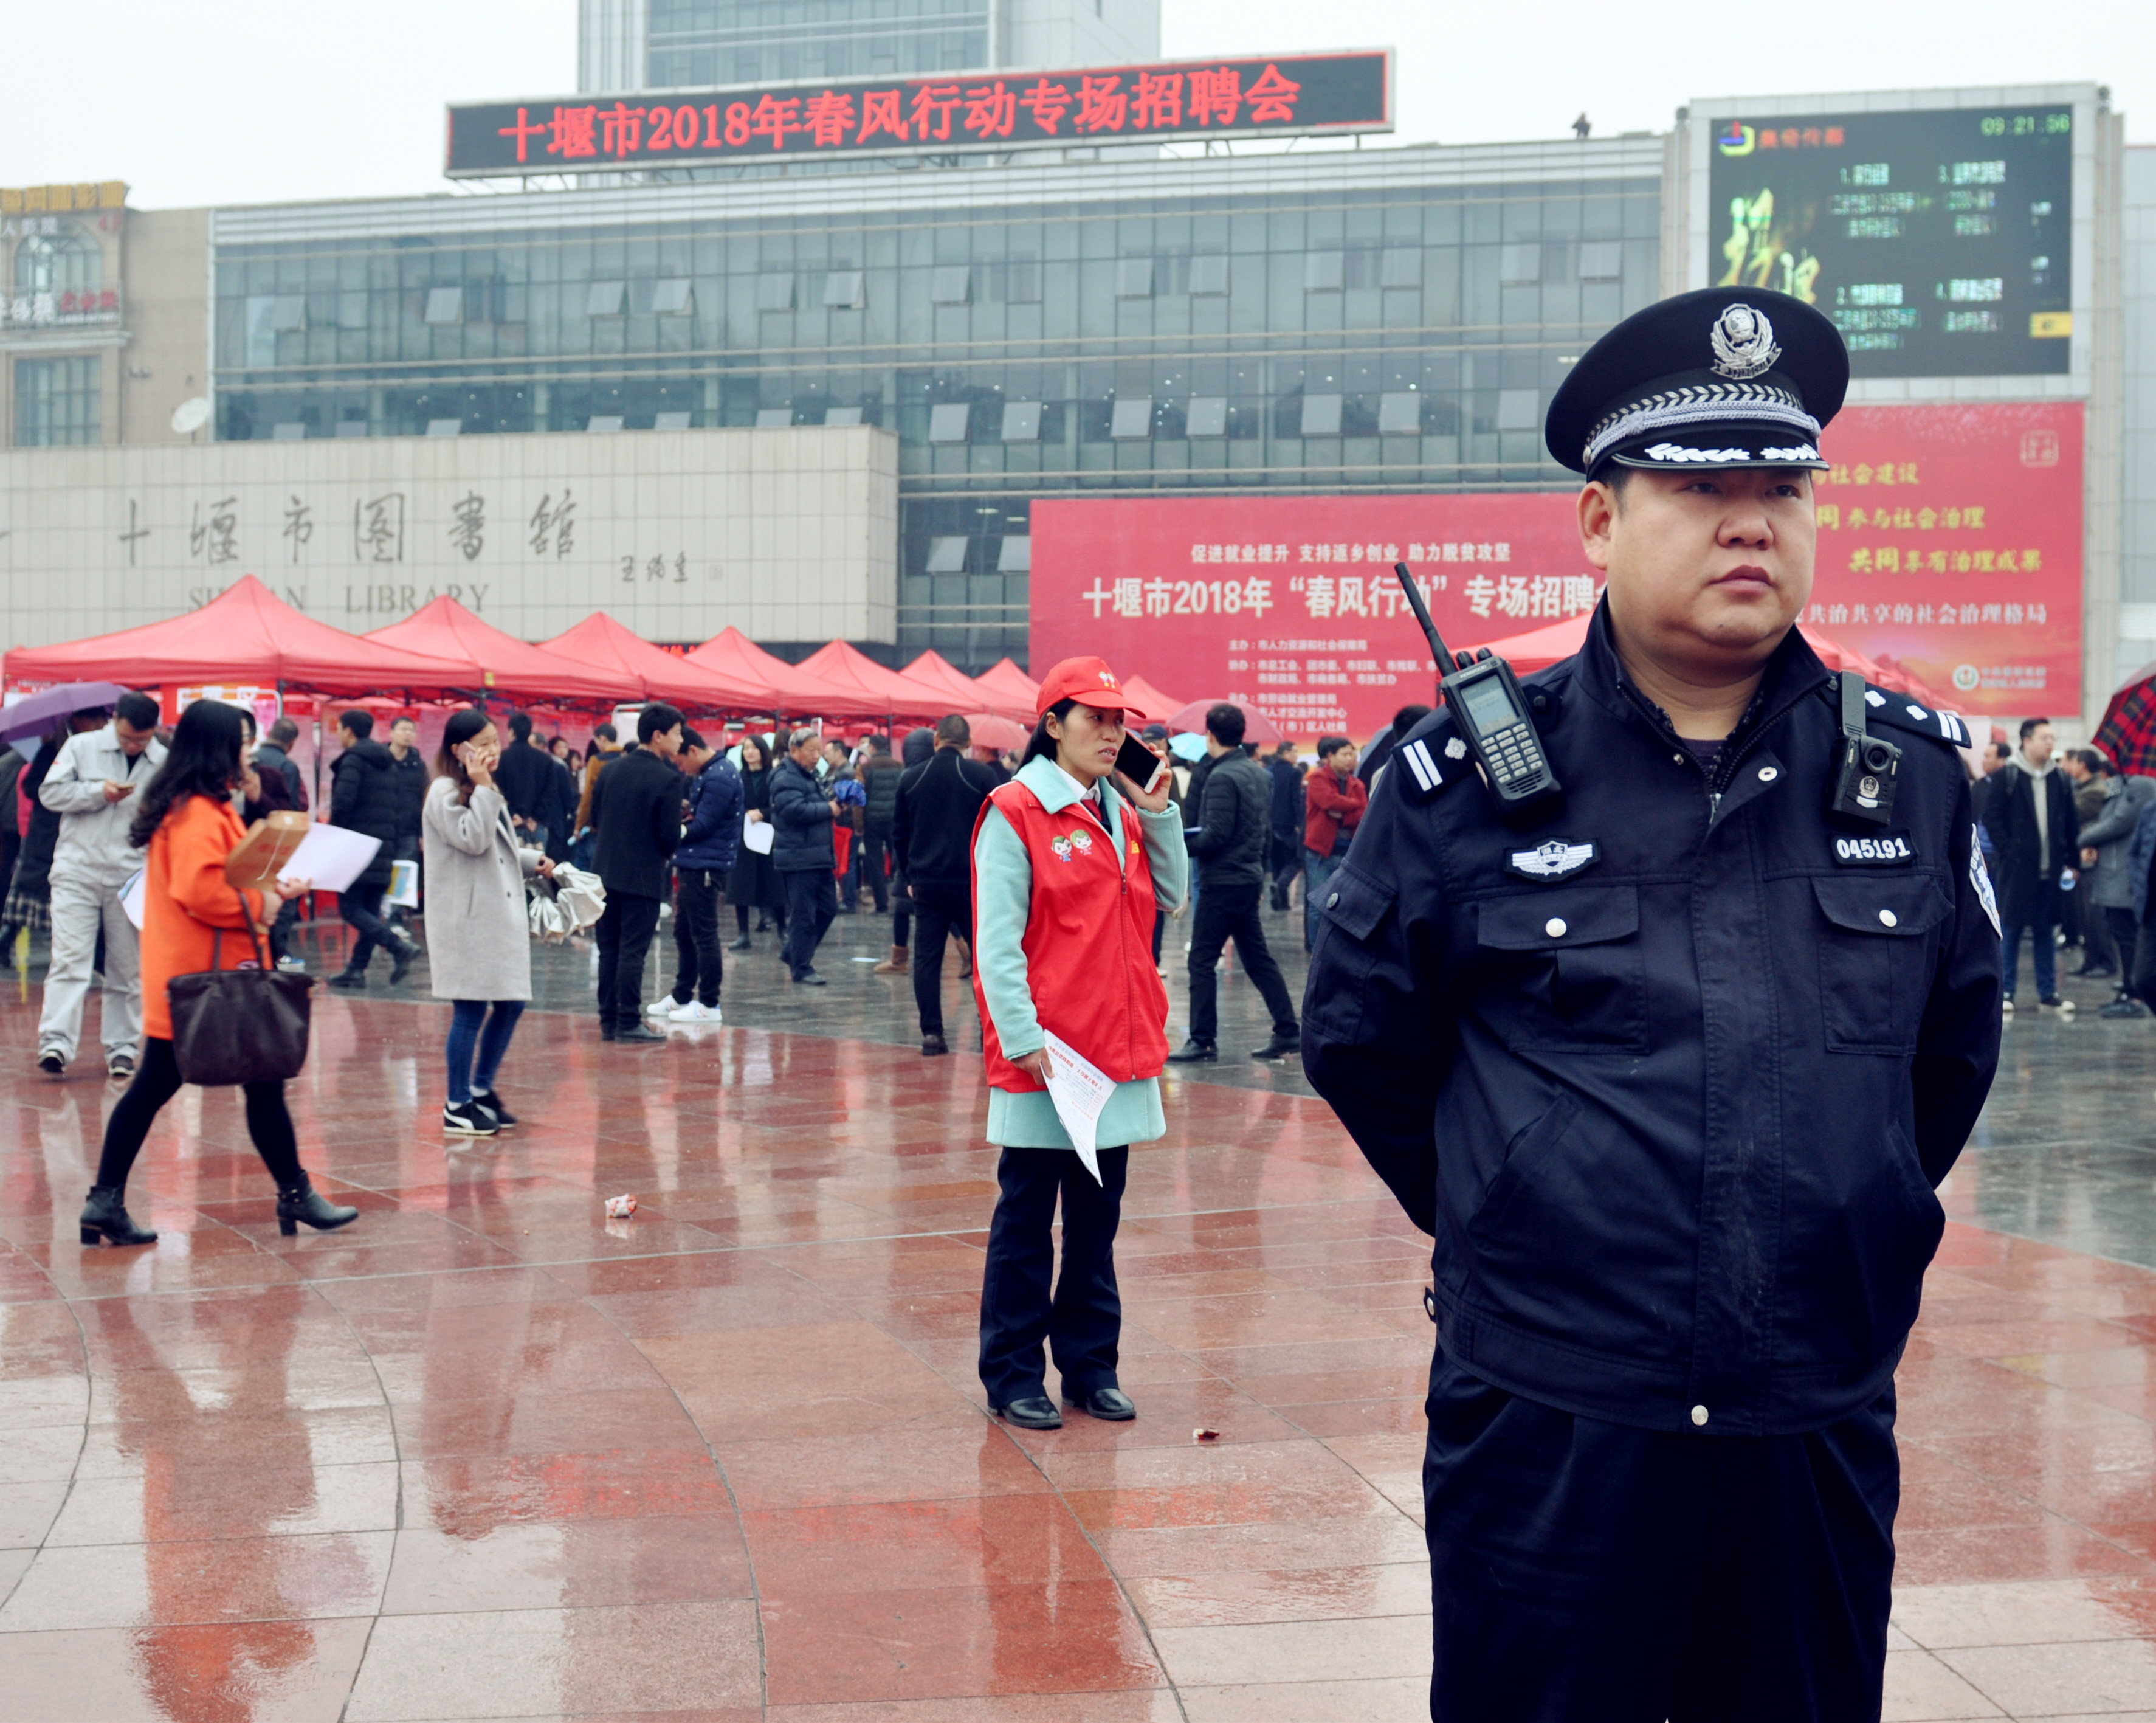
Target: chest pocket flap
1554, 919
1876, 960
1355, 904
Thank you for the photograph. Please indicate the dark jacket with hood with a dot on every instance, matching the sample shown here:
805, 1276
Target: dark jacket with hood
363, 798
2029, 860
1670, 1074
939, 802
1233, 828
712, 842
801, 809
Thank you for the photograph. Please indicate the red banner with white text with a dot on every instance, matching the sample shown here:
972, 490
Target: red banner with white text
1949, 543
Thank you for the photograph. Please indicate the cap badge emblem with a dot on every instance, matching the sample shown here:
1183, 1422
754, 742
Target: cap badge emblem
1743, 342
1107, 679
1558, 859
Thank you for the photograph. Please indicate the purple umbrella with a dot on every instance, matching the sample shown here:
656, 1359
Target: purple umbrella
35, 714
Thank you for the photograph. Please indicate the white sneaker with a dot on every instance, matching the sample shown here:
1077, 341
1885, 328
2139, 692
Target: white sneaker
289, 962
663, 1006
695, 1011
2006, 1008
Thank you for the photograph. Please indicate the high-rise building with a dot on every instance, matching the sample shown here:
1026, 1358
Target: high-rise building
661, 44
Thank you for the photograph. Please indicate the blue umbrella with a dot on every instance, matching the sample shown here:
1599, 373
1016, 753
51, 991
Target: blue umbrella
1189, 746
35, 714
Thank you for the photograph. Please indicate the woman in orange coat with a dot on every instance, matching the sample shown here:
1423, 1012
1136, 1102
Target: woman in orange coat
186, 821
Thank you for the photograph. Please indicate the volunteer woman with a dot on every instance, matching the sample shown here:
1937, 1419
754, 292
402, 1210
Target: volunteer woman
186, 821
477, 927
1072, 862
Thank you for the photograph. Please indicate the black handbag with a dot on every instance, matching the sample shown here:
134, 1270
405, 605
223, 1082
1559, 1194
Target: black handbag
240, 1025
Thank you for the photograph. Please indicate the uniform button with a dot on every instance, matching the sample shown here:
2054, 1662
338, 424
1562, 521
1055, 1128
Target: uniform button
1554, 927
1331, 899
1678, 757
1768, 774
1699, 1416
1887, 918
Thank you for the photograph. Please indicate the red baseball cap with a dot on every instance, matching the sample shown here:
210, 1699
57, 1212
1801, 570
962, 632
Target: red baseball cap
1088, 680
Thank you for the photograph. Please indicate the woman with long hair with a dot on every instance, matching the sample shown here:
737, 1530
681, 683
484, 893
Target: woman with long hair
477, 927
30, 887
186, 822
1072, 862
754, 883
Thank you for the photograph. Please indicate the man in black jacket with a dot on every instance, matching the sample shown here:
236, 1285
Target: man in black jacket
2035, 837
363, 798
932, 819
879, 772
411, 778
803, 854
1285, 857
1233, 831
636, 812
525, 776
275, 754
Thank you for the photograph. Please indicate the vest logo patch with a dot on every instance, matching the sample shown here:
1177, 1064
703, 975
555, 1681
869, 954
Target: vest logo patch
1066, 844
1890, 849
1558, 859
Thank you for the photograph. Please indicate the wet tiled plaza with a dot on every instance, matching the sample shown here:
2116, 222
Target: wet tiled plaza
488, 1454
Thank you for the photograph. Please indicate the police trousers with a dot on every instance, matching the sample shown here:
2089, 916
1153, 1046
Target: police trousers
1590, 1572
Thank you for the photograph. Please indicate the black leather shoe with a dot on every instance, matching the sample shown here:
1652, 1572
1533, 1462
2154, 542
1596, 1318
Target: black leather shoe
1036, 1412
303, 1202
810, 978
1111, 1404
408, 954
639, 1035
1279, 1047
104, 1216
933, 1047
740, 944
1195, 1052
349, 980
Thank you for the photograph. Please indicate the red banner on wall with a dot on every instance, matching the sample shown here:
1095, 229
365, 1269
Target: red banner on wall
1949, 542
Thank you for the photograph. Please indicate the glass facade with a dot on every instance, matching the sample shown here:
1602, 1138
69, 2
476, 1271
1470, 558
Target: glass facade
1185, 327
705, 42
58, 402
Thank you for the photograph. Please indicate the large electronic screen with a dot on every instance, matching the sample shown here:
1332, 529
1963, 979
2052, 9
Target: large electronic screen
1937, 241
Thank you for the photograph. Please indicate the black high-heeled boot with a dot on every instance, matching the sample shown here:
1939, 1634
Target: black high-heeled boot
105, 1216
302, 1202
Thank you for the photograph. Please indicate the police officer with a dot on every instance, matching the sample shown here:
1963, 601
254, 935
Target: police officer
1670, 1069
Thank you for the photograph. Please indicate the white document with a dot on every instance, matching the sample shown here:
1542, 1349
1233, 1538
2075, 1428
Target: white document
1080, 1089
133, 894
330, 856
758, 835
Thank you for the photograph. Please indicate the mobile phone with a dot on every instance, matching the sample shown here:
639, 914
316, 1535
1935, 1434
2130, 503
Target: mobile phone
1138, 763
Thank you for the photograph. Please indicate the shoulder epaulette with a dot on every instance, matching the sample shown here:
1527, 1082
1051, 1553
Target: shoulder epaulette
1882, 705
1426, 764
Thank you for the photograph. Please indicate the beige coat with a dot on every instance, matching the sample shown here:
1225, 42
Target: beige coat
479, 937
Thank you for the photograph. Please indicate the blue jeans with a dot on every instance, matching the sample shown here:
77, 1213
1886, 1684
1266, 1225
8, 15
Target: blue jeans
466, 1037
2043, 948
1317, 872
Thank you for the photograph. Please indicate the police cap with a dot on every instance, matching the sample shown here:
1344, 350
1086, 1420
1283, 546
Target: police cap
1727, 376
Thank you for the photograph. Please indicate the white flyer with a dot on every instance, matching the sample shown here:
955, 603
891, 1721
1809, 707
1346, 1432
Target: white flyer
133, 895
1080, 1089
332, 857
758, 835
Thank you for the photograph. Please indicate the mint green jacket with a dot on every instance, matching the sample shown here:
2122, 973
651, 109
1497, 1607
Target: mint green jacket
1002, 897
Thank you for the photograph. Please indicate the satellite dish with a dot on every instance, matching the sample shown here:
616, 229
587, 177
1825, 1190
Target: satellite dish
190, 416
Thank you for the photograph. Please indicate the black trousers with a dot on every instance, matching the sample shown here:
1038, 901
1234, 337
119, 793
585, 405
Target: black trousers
811, 903
1225, 913
624, 935
2141, 980
1284, 863
941, 911
2119, 930
1590, 1572
876, 848
699, 968
156, 1081
362, 909
1083, 1319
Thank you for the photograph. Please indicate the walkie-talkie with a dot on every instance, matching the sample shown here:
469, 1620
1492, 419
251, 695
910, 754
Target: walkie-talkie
1491, 717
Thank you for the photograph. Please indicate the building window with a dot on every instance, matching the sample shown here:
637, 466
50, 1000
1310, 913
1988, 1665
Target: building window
947, 421
58, 402
1324, 271
1016, 557
947, 556
671, 298
55, 263
774, 293
1321, 415
1399, 267
444, 305
1601, 261
845, 290
1132, 419
671, 421
1208, 417
1519, 265
1021, 421
1519, 409
773, 418
950, 284
842, 415
1399, 414
439, 427
1208, 274
604, 299
1134, 278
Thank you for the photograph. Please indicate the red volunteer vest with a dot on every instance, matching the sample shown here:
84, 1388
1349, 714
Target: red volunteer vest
1088, 941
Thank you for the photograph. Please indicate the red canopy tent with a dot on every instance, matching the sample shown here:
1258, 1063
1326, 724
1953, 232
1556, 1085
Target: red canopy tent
1157, 706
894, 696
733, 655
246, 633
645, 672
932, 670
507, 666
1009, 688
1542, 647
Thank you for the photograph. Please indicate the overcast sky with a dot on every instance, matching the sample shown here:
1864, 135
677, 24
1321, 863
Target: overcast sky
245, 101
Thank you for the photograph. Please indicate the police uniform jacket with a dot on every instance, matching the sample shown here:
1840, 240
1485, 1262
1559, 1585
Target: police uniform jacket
1671, 1076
